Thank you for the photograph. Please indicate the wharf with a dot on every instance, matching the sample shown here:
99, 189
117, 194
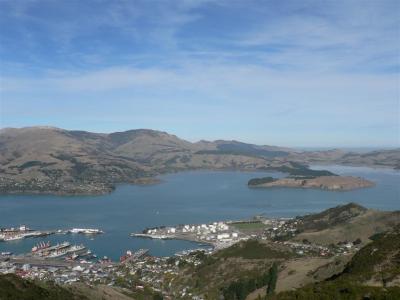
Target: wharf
177, 236
58, 263
40, 262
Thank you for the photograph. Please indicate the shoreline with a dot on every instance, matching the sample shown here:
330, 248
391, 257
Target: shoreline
178, 238
154, 180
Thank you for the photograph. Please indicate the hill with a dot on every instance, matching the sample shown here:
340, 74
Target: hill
15, 288
345, 223
378, 158
53, 160
373, 273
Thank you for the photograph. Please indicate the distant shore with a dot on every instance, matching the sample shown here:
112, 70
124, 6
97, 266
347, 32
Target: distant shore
330, 183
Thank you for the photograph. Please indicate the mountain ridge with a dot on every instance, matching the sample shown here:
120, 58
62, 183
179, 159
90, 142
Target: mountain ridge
54, 160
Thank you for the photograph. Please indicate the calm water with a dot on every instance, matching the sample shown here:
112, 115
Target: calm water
188, 197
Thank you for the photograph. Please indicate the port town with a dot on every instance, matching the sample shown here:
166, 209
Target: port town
65, 263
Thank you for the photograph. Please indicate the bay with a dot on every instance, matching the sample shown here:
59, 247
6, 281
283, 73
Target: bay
181, 198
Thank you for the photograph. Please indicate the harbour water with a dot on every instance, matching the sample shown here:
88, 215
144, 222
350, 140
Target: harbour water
181, 198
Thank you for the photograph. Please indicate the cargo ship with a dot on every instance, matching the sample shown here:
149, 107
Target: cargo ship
75, 249
40, 247
48, 249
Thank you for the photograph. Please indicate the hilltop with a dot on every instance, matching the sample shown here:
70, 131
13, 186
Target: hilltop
372, 273
54, 160
344, 223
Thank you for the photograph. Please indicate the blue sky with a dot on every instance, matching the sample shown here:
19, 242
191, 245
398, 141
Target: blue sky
292, 73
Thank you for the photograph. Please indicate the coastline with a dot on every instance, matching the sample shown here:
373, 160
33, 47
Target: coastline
154, 180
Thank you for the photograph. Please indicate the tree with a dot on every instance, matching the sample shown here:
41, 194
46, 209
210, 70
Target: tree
273, 277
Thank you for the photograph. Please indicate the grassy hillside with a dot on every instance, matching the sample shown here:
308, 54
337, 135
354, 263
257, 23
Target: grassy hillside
345, 223
15, 288
237, 270
330, 217
53, 160
339, 290
377, 262
373, 273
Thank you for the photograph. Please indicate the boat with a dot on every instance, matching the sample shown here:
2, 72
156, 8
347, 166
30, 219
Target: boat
7, 253
13, 237
41, 246
59, 246
65, 249
57, 254
47, 251
86, 230
76, 248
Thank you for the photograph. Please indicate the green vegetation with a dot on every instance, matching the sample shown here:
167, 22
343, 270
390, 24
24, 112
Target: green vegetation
377, 263
299, 170
15, 288
34, 163
240, 289
306, 172
339, 290
330, 217
235, 271
379, 260
272, 279
258, 181
253, 249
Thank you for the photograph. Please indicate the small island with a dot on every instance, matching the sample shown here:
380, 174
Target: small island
314, 179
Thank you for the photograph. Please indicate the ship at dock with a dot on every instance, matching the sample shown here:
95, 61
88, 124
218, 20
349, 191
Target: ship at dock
45, 249
86, 230
21, 232
40, 247
64, 249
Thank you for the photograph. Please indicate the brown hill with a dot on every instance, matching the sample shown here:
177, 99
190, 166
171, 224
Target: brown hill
53, 160
345, 223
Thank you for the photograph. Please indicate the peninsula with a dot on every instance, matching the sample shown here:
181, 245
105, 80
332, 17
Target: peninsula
332, 183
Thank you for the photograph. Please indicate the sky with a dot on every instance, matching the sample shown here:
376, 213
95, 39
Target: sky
291, 73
